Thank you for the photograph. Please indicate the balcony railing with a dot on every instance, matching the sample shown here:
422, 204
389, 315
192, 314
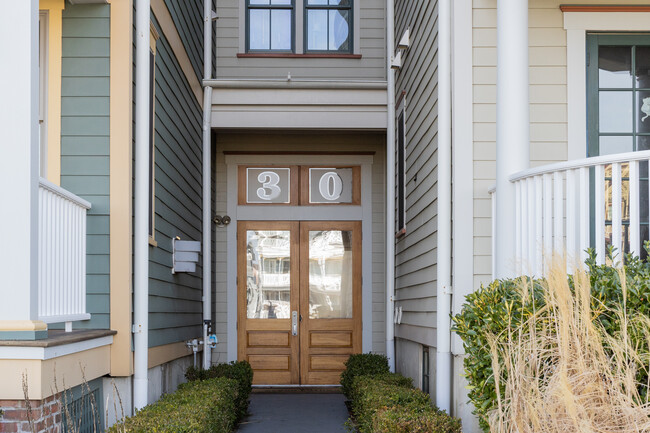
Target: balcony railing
571, 206
61, 255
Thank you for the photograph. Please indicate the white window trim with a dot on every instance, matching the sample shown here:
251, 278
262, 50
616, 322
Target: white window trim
577, 24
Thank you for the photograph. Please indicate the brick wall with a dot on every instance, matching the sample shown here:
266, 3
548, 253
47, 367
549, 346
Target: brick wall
45, 414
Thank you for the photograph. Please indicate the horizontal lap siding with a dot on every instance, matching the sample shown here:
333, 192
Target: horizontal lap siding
85, 141
416, 252
188, 19
372, 65
175, 307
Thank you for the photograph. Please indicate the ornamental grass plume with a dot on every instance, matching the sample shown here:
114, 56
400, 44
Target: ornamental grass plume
560, 372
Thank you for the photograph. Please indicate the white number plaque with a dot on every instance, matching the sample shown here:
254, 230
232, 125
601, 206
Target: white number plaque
268, 185
330, 185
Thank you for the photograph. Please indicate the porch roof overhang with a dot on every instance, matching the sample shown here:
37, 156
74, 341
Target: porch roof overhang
297, 104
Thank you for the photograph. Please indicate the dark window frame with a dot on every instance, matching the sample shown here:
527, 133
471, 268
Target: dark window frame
349, 8
400, 144
270, 7
426, 373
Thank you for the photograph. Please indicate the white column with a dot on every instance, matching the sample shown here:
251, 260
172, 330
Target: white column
141, 229
513, 123
19, 154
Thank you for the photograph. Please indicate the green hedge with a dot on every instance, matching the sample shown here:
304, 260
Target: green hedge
240, 371
362, 364
495, 307
201, 407
384, 402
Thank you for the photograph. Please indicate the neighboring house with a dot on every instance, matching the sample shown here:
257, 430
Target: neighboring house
344, 200
534, 88
70, 265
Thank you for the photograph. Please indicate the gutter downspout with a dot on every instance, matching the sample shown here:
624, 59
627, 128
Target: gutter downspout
444, 289
207, 197
141, 229
390, 186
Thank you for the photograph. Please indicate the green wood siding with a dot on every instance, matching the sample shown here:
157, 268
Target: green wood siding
175, 307
85, 140
415, 270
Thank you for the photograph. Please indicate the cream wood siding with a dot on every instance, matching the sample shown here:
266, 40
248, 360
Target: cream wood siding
548, 105
372, 47
416, 251
297, 142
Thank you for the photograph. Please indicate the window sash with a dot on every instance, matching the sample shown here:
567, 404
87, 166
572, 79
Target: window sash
350, 20
270, 7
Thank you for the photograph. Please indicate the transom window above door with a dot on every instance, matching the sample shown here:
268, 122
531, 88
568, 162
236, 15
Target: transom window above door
303, 26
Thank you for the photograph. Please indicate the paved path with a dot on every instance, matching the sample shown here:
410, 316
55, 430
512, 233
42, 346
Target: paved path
295, 413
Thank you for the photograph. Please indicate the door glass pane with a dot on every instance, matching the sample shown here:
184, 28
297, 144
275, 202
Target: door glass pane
615, 111
268, 274
259, 37
643, 111
615, 67
609, 145
642, 70
330, 274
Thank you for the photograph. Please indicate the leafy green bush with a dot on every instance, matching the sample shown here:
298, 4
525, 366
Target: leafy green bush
362, 364
240, 371
389, 404
499, 305
404, 420
202, 406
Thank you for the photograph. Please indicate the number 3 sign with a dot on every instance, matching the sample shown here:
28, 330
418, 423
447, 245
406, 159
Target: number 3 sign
268, 185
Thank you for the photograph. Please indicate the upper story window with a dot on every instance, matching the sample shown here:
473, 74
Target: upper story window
328, 26
270, 25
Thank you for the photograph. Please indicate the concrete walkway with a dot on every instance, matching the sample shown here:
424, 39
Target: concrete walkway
295, 413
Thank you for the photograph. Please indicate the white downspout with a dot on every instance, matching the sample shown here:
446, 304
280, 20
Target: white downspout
141, 229
207, 167
390, 186
444, 290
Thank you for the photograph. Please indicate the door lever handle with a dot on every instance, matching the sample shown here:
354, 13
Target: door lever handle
294, 323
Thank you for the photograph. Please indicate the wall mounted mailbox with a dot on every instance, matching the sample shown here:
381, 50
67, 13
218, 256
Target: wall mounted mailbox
185, 255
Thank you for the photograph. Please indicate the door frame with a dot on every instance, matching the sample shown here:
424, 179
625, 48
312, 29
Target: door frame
361, 213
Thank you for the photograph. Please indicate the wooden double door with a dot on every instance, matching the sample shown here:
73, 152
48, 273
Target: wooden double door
299, 299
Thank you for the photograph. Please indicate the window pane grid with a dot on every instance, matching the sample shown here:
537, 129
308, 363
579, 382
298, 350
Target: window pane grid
328, 26
270, 25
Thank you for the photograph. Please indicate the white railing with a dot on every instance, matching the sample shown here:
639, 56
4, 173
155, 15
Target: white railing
555, 213
276, 280
61, 255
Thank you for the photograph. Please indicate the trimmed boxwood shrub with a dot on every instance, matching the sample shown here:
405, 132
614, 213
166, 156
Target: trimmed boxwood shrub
240, 371
495, 307
404, 420
388, 403
362, 364
202, 407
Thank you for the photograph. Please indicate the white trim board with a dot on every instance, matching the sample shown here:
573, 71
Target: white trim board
45, 353
287, 213
577, 24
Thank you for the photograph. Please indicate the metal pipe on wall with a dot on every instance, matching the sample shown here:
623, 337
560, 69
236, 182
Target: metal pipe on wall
141, 204
206, 180
444, 288
390, 186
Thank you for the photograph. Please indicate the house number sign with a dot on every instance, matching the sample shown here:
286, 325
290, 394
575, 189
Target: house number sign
268, 185
330, 185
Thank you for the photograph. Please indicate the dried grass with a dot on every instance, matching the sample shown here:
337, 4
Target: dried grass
561, 372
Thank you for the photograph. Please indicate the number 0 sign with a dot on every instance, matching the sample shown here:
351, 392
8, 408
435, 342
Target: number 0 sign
330, 185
